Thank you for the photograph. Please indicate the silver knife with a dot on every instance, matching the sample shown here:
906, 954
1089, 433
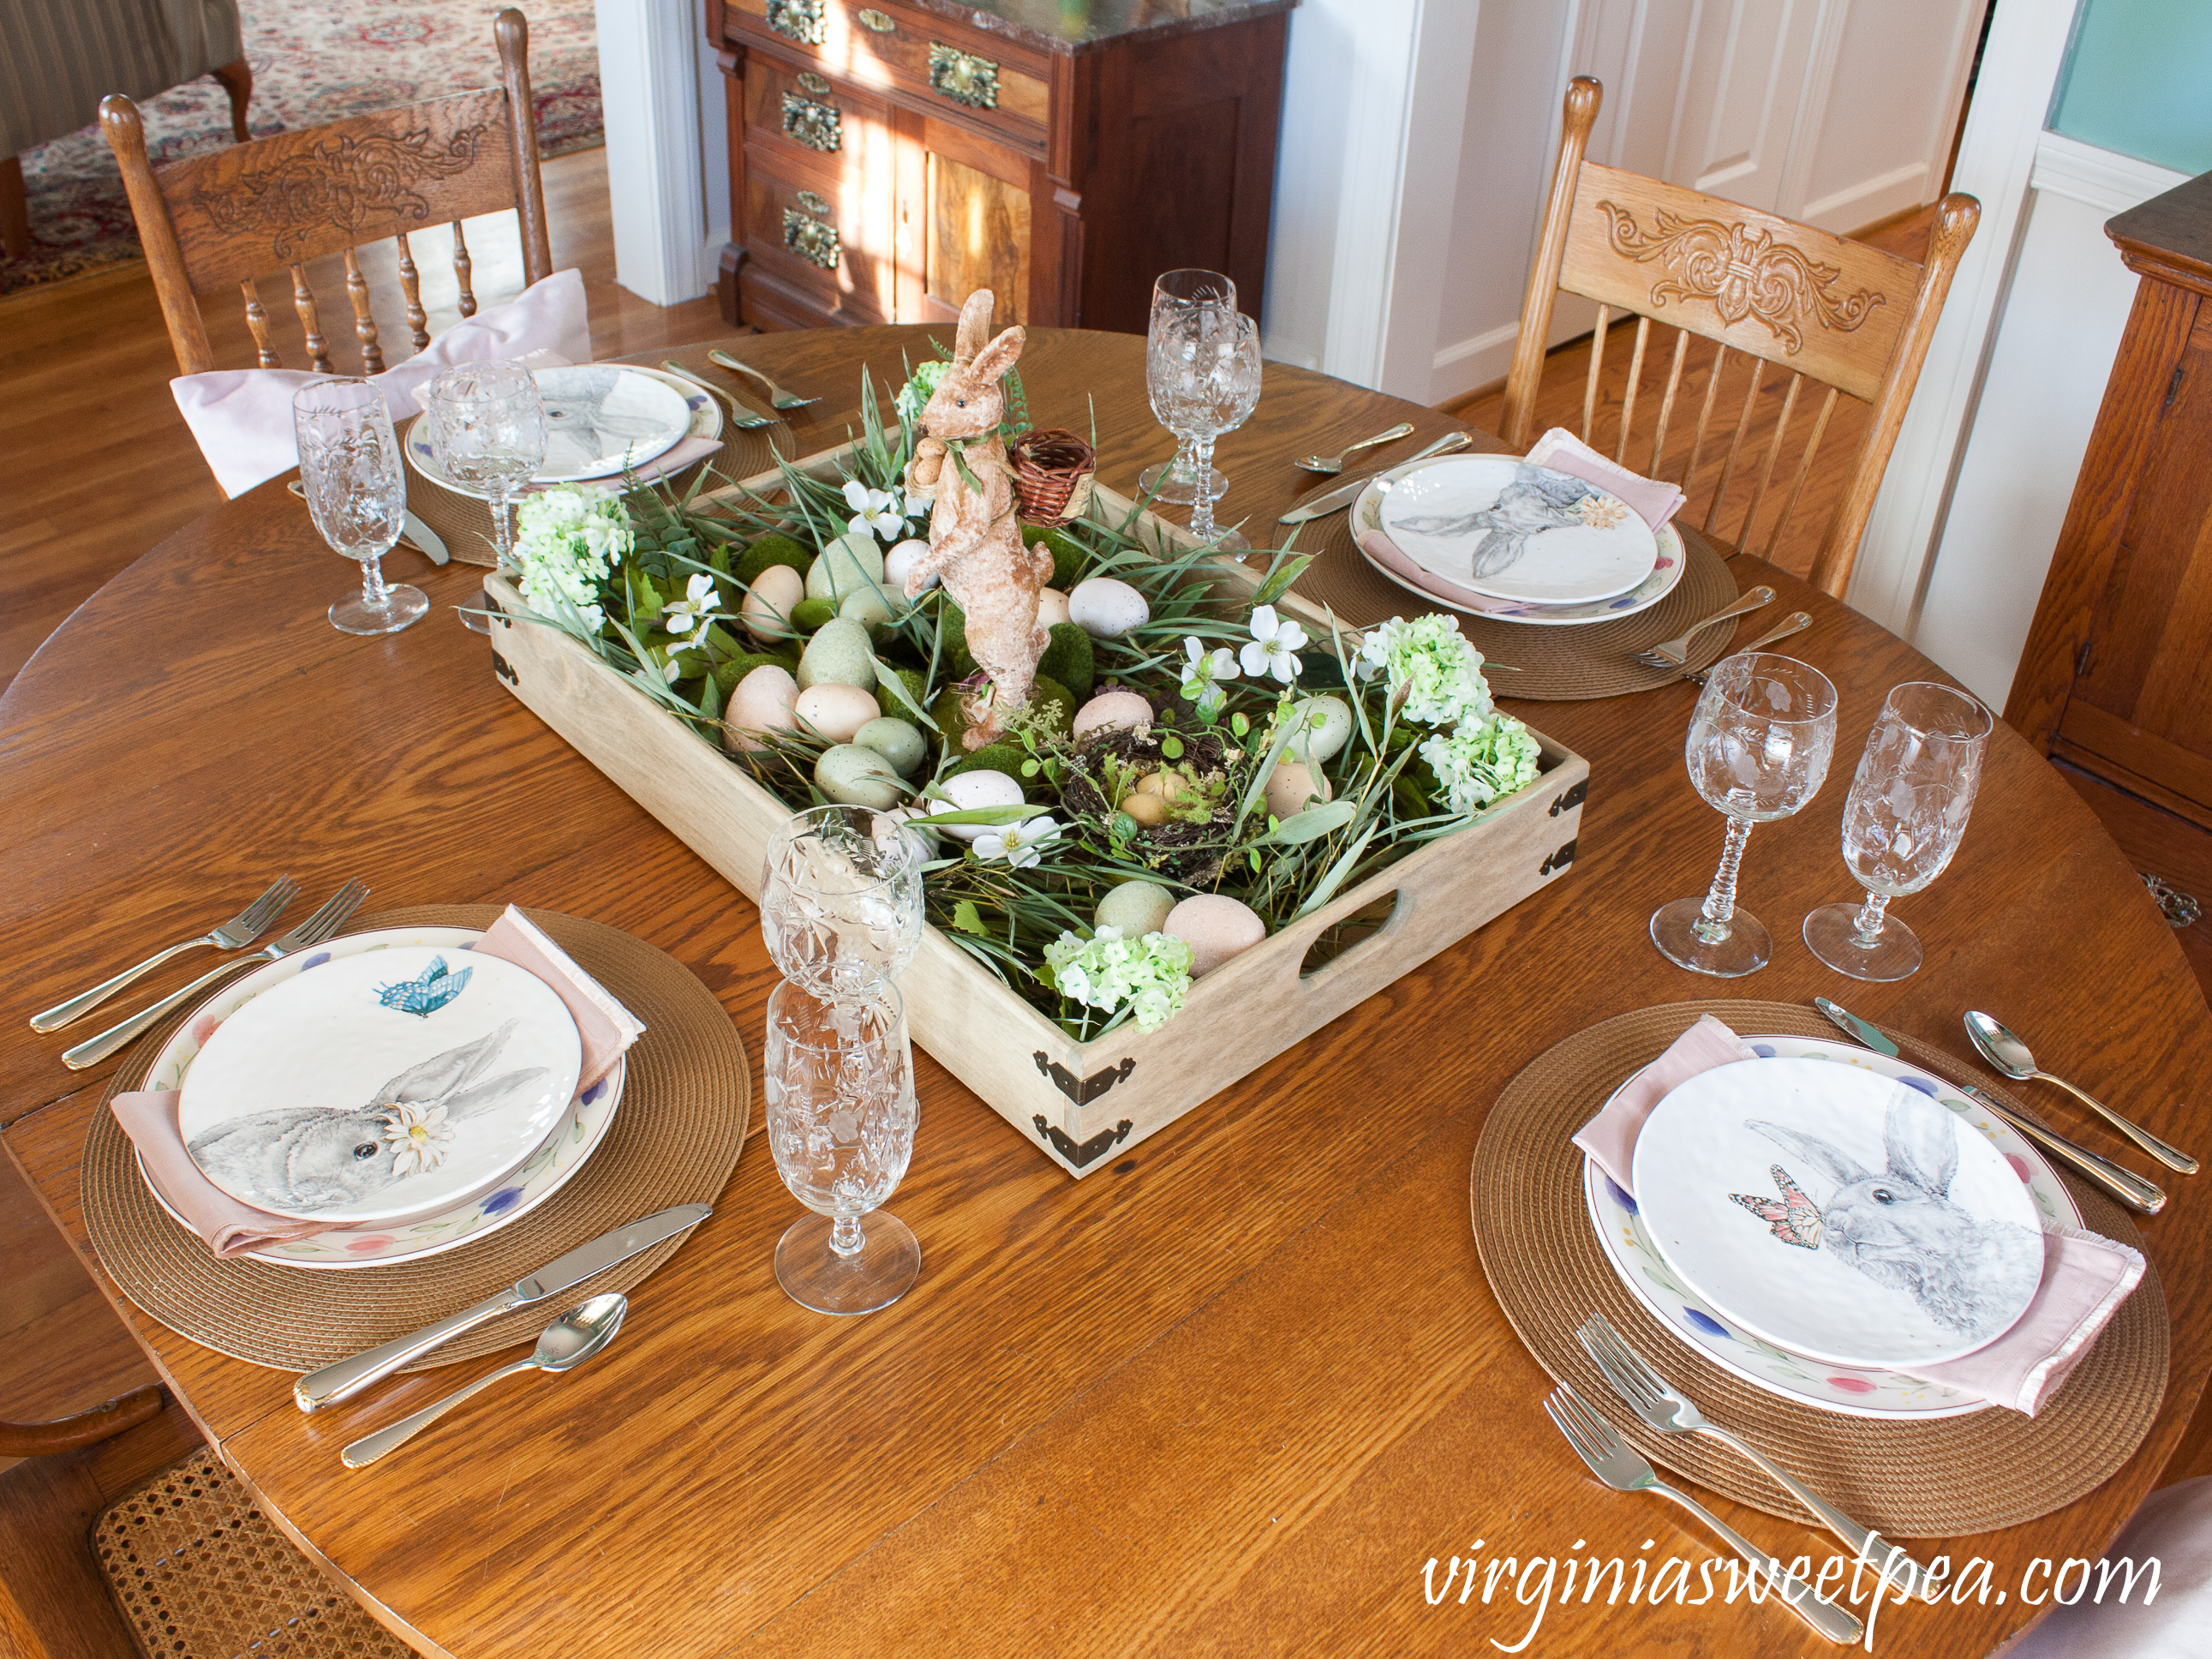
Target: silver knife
1343, 495
348, 1378
432, 544
2126, 1185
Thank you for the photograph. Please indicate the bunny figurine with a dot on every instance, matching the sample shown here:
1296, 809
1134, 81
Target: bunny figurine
975, 532
1901, 1228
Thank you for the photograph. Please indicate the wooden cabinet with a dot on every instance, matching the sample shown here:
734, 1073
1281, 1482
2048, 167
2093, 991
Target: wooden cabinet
886, 160
2117, 676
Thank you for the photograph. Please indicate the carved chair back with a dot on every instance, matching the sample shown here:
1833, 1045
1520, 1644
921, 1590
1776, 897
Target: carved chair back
1850, 318
278, 202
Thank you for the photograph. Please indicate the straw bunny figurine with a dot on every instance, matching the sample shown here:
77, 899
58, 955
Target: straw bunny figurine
974, 533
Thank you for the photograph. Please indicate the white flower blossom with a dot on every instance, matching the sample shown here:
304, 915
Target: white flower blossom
1274, 640
1020, 844
567, 540
877, 510
1201, 673
417, 1136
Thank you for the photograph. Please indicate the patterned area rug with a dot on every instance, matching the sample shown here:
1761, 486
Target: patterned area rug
313, 61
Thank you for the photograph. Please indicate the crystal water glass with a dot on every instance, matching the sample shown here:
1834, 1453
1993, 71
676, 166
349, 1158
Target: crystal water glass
488, 431
1176, 296
356, 489
1902, 822
841, 1111
1759, 749
1204, 376
841, 897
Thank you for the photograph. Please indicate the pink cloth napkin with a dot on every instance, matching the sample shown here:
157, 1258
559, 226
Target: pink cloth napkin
1652, 500
2085, 1277
242, 417
232, 1228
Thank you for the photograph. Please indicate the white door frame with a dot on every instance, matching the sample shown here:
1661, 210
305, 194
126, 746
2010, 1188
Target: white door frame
649, 78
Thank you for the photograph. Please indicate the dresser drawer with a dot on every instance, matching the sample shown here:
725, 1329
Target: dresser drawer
834, 244
844, 132
928, 62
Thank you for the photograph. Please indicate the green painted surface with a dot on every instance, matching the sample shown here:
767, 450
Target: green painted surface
2139, 81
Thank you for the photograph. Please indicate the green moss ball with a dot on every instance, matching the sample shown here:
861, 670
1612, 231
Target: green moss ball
771, 550
1067, 557
1044, 690
887, 700
809, 615
1070, 660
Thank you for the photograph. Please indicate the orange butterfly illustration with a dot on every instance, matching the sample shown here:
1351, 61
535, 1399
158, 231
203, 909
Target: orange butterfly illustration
1795, 1217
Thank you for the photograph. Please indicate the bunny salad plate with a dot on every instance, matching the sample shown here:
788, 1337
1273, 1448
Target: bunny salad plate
380, 1086
1496, 526
1842, 1215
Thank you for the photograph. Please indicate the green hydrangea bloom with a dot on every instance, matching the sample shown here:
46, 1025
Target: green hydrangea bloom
1439, 672
1481, 762
919, 391
566, 542
1151, 974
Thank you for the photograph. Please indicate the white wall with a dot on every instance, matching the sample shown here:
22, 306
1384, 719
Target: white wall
649, 85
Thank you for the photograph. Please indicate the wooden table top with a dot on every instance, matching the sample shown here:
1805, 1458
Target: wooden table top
1228, 1396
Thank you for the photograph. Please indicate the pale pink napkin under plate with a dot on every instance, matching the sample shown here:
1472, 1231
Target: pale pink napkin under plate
2085, 1277
1652, 500
232, 1228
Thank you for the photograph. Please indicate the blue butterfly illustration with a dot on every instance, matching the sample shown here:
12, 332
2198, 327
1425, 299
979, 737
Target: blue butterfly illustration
1795, 1218
425, 996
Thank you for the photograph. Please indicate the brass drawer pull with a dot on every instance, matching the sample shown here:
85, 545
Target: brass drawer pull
812, 203
812, 123
876, 22
810, 81
807, 21
810, 239
963, 77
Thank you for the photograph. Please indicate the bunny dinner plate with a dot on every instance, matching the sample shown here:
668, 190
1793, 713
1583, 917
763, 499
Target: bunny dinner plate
380, 1086
1843, 1215
1500, 527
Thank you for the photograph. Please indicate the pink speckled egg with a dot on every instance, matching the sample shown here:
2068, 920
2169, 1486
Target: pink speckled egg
838, 712
1216, 927
768, 603
764, 700
1052, 607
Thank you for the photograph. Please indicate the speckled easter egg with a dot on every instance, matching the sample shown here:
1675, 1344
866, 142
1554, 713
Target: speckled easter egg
839, 653
900, 742
1052, 607
1293, 786
1106, 609
836, 710
1111, 709
761, 702
868, 607
1320, 742
1137, 907
857, 775
899, 561
766, 609
1216, 927
845, 566
970, 790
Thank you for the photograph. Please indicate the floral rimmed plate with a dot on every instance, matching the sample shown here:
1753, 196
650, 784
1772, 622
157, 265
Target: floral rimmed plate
706, 417
1852, 1392
542, 1173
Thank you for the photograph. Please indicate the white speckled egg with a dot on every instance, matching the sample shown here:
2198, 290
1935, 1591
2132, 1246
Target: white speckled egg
1216, 927
768, 603
979, 788
1106, 609
857, 775
836, 710
761, 702
1293, 786
845, 566
900, 561
842, 653
1109, 709
1320, 742
900, 742
1137, 907
1052, 607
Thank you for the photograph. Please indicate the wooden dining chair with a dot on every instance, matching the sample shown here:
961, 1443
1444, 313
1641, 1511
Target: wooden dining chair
1820, 308
278, 202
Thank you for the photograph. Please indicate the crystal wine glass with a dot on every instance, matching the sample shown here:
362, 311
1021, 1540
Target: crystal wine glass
488, 429
841, 1111
1204, 374
351, 474
1176, 296
841, 897
1902, 823
1759, 749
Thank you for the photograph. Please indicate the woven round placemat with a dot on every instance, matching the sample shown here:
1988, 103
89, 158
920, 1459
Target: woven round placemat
464, 522
1938, 1478
675, 1139
1557, 665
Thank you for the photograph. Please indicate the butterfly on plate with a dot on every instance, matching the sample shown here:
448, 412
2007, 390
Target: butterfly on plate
429, 991
1795, 1218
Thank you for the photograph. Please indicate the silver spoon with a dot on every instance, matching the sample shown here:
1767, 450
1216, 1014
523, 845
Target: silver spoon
1335, 463
565, 1344
2010, 1056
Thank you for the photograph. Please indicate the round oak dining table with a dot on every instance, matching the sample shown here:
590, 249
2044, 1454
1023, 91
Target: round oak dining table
1228, 1394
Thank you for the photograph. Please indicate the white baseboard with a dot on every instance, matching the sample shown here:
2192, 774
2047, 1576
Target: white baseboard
1477, 361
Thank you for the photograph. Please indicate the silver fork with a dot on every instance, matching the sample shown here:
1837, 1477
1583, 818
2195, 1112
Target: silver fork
1666, 1409
1673, 653
1795, 622
1335, 463
776, 394
312, 931
1623, 1468
745, 419
240, 931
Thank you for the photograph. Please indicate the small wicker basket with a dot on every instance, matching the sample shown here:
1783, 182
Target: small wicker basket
1053, 470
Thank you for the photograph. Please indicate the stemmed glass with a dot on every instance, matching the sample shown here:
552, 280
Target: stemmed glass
488, 430
1902, 822
1759, 749
841, 897
1203, 372
1178, 295
842, 1111
351, 474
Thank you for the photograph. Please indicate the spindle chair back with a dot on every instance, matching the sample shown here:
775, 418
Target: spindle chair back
1845, 316
278, 204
